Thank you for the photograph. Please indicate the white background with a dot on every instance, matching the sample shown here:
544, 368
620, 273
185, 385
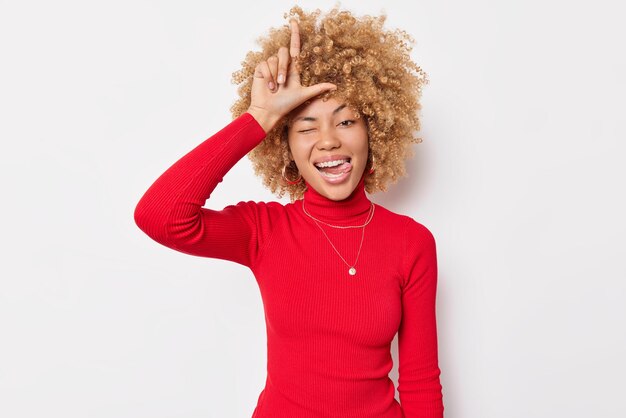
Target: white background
520, 178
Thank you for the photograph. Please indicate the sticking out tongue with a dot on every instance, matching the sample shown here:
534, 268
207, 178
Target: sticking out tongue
336, 170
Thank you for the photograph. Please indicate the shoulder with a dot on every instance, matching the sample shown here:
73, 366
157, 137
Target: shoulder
418, 240
419, 231
420, 254
410, 228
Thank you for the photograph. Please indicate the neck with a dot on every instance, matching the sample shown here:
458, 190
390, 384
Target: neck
354, 207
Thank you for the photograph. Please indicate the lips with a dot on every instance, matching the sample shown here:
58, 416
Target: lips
332, 158
338, 176
335, 170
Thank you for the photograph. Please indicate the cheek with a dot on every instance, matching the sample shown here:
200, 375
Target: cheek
362, 145
299, 153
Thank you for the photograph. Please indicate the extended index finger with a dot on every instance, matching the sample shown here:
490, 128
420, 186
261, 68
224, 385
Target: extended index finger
294, 49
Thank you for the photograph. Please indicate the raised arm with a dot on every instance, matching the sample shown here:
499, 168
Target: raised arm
419, 385
171, 212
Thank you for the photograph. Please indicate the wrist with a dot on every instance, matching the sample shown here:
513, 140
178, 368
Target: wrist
264, 119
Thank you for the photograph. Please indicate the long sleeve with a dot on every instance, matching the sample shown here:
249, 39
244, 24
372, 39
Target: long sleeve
419, 384
171, 212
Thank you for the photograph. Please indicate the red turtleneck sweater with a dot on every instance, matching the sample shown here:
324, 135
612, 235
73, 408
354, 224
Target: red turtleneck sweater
329, 333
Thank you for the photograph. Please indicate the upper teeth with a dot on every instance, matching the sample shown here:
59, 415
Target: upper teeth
330, 163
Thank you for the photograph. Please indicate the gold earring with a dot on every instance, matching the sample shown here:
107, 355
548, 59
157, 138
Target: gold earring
296, 181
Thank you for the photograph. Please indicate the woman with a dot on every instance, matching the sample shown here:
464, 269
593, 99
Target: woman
324, 120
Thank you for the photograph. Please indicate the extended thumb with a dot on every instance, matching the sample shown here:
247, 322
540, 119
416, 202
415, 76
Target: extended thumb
320, 88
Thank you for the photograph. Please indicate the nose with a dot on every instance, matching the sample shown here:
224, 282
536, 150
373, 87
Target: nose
328, 138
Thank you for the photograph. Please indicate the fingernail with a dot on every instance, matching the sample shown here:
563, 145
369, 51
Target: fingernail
271, 85
281, 78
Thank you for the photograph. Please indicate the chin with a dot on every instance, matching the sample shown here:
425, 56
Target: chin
338, 195
335, 191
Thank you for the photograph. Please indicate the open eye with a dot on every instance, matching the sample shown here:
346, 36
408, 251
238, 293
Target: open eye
351, 122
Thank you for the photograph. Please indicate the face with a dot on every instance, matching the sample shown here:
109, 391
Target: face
329, 131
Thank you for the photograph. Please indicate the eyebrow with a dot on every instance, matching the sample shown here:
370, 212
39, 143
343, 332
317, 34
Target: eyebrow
312, 119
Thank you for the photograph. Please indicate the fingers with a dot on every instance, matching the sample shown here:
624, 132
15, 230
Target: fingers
274, 69
262, 70
272, 64
294, 49
283, 63
277, 68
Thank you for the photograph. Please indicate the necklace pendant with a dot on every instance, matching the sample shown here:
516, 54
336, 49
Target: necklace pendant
352, 271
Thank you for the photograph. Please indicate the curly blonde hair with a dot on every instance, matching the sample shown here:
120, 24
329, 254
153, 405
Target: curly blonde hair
374, 75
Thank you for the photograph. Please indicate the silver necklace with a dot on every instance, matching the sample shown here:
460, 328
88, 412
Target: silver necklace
352, 269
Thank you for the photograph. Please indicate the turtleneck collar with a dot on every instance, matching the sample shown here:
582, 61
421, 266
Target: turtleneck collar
354, 207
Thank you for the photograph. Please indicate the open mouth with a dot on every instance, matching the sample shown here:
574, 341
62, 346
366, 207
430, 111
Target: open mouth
336, 171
